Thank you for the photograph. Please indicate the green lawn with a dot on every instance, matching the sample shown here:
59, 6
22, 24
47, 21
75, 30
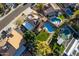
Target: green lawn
76, 12
61, 17
62, 49
42, 36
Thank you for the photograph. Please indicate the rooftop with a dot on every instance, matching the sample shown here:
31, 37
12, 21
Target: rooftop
72, 47
60, 41
3, 42
48, 11
20, 51
15, 41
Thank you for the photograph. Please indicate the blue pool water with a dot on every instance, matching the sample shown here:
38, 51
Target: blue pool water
49, 27
54, 19
20, 51
68, 11
28, 25
66, 30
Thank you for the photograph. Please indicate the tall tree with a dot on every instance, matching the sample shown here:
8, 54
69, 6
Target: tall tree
39, 7
43, 49
1, 8
30, 41
19, 22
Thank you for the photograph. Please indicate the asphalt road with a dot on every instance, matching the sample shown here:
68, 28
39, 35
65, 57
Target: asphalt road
11, 16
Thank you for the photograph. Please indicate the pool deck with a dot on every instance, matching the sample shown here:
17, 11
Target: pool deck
56, 23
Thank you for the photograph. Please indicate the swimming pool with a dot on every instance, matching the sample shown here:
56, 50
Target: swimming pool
68, 11
49, 27
28, 25
66, 30
56, 21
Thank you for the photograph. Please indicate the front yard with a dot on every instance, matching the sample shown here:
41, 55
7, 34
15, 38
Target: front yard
42, 36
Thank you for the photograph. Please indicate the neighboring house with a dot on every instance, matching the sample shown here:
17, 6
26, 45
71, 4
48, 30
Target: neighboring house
13, 42
73, 48
69, 4
48, 11
31, 22
77, 6
7, 50
51, 11
26, 12
64, 34
22, 51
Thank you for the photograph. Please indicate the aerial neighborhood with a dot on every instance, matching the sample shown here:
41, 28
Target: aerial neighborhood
39, 29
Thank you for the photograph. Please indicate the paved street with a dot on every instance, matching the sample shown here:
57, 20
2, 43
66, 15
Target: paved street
13, 15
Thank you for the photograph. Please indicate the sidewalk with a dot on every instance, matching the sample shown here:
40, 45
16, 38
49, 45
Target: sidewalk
1, 18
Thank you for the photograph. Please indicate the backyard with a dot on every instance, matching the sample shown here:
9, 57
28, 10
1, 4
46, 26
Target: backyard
42, 36
58, 49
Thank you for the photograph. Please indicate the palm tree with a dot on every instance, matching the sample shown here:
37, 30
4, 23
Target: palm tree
19, 22
39, 7
43, 49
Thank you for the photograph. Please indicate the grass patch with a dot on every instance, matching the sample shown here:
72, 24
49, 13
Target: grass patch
58, 49
62, 48
42, 36
61, 17
77, 12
